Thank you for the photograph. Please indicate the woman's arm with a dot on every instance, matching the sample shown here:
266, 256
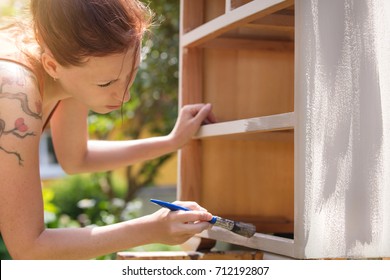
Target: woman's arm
163, 226
76, 154
21, 206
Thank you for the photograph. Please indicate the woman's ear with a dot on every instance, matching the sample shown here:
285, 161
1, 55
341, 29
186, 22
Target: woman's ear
51, 66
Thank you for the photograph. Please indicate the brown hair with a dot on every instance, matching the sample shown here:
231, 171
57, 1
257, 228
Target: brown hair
76, 29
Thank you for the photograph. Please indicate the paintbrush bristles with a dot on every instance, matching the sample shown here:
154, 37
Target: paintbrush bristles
244, 229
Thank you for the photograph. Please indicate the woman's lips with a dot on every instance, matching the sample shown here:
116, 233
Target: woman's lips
113, 107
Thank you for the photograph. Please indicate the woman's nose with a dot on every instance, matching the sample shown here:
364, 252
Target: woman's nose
122, 92
122, 95
126, 95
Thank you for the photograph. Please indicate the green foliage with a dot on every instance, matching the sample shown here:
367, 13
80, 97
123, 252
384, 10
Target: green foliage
81, 199
156, 247
4, 255
12, 9
77, 201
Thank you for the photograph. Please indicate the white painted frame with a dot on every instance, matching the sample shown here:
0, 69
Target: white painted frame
277, 122
231, 19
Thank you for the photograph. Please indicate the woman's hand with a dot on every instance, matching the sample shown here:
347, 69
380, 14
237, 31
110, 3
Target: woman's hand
191, 117
176, 227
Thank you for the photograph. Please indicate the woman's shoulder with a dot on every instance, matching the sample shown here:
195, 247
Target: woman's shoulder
20, 113
17, 78
20, 97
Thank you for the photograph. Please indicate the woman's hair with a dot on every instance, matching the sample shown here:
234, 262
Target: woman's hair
76, 29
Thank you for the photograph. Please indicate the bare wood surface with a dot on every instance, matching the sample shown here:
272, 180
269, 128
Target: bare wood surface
253, 178
192, 14
190, 156
249, 44
244, 84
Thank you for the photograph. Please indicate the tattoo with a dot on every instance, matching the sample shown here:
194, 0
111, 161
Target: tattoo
20, 160
22, 97
20, 129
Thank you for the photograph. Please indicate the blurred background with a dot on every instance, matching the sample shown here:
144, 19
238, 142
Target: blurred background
110, 197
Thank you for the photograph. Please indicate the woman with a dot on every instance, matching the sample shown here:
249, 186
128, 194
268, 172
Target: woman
84, 57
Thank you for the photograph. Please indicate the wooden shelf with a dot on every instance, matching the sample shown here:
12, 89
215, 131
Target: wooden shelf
242, 15
247, 126
238, 55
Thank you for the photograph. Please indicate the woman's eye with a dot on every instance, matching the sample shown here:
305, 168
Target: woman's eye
105, 85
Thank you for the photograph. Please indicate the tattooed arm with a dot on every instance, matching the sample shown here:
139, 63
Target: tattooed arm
21, 210
13, 123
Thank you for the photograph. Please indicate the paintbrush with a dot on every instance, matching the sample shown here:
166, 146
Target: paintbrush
243, 229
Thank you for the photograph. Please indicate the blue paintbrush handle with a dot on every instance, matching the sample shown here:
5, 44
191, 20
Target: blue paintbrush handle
170, 206
175, 207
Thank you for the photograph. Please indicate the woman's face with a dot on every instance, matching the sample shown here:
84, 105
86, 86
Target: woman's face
101, 83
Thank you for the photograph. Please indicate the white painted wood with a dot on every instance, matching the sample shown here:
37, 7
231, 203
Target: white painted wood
228, 6
262, 124
265, 242
342, 106
240, 15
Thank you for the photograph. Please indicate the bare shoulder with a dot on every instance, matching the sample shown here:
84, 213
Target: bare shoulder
20, 111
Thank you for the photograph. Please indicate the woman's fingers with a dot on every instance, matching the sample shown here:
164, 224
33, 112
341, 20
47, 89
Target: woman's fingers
175, 227
202, 113
190, 205
193, 216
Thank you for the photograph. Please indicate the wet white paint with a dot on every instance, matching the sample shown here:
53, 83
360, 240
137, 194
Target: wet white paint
343, 79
